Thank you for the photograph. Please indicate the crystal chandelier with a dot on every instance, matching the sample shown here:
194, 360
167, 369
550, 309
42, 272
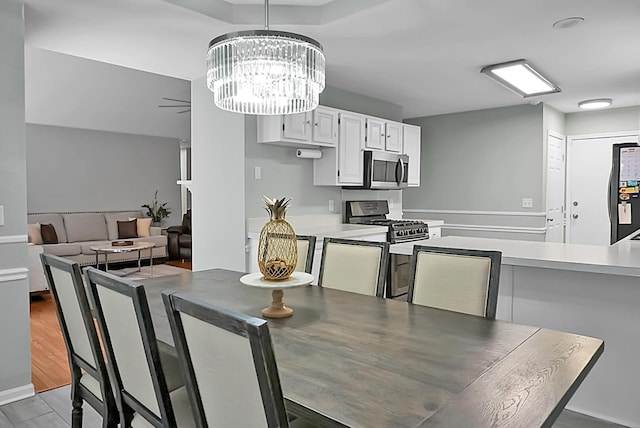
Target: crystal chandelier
265, 72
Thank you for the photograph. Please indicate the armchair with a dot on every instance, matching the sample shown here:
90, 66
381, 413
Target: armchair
179, 239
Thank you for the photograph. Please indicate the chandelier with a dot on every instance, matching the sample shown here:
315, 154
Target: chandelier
265, 72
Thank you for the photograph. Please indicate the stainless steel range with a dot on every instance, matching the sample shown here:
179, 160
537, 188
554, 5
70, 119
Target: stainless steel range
375, 213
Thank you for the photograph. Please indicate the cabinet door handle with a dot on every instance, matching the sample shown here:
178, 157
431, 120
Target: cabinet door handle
316, 124
308, 122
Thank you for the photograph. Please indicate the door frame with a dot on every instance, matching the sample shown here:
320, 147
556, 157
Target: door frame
568, 165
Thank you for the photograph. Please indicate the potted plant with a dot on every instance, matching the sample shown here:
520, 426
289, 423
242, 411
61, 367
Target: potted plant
156, 210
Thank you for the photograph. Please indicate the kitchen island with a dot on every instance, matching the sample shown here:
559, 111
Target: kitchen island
583, 289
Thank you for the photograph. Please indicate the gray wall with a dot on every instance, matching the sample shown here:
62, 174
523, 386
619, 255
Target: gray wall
553, 121
283, 174
15, 356
603, 121
486, 160
72, 169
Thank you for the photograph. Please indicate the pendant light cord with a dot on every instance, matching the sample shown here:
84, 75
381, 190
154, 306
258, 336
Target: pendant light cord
266, 14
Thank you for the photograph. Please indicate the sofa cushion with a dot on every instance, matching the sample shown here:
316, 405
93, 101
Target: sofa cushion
85, 227
62, 249
33, 234
49, 235
127, 229
112, 219
85, 247
52, 218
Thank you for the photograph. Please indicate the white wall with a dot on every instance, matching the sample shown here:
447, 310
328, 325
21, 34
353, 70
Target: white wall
64, 90
218, 199
72, 169
15, 354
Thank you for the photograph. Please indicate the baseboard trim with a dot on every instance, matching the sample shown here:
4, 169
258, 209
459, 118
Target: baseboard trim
13, 239
13, 274
18, 393
488, 228
471, 212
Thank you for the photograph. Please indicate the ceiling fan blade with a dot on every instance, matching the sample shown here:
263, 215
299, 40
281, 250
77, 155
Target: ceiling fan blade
173, 99
185, 111
177, 106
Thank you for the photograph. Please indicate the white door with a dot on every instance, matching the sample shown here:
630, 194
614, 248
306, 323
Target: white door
297, 126
350, 144
588, 168
555, 188
375, 134
393, 140
325, 125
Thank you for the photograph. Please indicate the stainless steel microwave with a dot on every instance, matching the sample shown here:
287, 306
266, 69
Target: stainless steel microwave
384, 170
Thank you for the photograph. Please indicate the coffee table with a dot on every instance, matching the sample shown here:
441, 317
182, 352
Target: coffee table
107, 249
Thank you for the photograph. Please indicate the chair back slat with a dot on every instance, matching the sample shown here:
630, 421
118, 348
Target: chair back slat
306, 250
459, 280
68, 303
228, 361
355, 266
128, 348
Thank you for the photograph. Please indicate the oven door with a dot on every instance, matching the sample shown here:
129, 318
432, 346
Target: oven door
386, 170
399, 272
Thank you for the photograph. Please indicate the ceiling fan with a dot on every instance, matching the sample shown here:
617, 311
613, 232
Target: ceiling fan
182, 104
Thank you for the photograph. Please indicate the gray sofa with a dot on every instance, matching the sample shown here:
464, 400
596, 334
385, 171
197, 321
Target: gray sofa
78, 232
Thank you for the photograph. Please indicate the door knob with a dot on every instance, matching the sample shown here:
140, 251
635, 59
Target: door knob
574, 216
575, 203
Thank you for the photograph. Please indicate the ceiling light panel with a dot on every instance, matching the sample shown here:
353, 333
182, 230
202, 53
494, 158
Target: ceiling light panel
521, 78
595, 104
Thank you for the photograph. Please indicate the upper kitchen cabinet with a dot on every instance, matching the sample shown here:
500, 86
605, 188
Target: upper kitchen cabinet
393, 137
316, 128
343, 166
411, 142
383, 135
376, 135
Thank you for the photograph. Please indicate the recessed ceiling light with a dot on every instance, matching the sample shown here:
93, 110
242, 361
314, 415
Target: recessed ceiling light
520, 77
595, 103
568, 22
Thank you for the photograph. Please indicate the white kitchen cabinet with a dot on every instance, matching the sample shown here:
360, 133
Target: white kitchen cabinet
411, 143
393, 137
375, 134
343, 166
316, 128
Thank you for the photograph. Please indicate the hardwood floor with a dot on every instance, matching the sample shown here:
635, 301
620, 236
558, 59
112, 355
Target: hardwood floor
186, 264
52, 409
49, 363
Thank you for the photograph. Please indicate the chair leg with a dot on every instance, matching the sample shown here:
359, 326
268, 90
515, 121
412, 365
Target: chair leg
76, 413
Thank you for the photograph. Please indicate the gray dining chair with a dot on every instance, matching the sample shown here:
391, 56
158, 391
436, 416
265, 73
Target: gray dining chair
455, 279
355, 266
306, 250
134, 364
89, 377
228, 363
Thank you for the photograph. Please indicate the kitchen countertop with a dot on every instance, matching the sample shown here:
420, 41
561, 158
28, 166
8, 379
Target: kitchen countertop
620, 259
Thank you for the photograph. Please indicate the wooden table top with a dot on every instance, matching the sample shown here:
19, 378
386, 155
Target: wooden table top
346, 359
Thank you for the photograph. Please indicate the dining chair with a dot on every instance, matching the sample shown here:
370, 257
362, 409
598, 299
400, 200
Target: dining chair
306, 250
134, 364
89, 377
455, 279
237, 385
355, 266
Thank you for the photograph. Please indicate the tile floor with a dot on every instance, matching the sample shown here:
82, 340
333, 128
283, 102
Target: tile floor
52, 409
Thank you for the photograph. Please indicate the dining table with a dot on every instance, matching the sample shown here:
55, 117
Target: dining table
350, 360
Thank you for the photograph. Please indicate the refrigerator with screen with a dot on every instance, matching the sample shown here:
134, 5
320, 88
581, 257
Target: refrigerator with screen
624, 191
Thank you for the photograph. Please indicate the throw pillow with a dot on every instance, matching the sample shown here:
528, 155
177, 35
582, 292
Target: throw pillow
144, 226
33, 232
49, 235
127, 229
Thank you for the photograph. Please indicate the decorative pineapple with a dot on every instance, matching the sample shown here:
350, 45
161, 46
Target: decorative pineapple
278, 246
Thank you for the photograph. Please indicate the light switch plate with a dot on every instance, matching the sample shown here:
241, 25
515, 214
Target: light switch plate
331, 206
257, 173
1, 215
527, 202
